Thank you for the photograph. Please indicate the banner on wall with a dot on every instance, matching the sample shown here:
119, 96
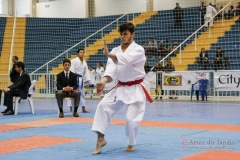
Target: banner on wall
151, 78
182, 80
227, 81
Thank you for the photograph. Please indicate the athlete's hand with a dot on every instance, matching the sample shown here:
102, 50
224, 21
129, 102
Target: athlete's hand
86, 84
105, 48
100, 86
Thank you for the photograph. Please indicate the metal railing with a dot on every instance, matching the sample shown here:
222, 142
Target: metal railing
12, 42
85, 40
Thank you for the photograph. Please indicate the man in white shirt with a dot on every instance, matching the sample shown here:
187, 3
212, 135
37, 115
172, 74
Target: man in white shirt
126, 65
79, 66
210, 12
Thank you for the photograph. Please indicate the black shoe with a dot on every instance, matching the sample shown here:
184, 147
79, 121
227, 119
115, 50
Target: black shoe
8, 113
61, 115
5, 111
75, 114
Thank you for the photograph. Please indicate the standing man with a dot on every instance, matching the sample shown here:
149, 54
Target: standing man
126, 64
14, 75
67, 86
19, 88
202, 12
80, 68
210, 12
178, 14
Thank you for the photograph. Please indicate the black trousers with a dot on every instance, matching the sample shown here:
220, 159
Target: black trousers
8, 99
60, 95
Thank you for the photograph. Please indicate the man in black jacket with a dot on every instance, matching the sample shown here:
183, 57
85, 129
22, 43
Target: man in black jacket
178, 15
202, 12
19, 88
67, 87
14, 75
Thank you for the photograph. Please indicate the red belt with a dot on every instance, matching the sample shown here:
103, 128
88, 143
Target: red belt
130, 83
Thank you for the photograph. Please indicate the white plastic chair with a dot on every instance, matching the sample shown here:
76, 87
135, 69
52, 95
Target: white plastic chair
31, 91
72, 101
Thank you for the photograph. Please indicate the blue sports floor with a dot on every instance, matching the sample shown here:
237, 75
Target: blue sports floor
171, 130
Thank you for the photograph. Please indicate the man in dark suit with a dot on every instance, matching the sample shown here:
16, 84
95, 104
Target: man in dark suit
202, 12
67, 87
19, 88
14, 75
203, 59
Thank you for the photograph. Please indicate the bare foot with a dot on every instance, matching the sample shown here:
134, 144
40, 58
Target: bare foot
130, 149
100, 143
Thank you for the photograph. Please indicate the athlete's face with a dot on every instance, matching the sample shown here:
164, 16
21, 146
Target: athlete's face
81, 53
126, 37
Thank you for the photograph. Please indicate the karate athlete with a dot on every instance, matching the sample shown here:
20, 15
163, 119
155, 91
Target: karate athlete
210, 12
79, 67
126, 64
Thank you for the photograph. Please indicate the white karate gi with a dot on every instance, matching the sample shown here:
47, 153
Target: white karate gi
80, 68
130, 67
99, 74
92, 77
210, 12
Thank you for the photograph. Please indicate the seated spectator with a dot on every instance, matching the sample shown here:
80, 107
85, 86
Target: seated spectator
168, 45
203, 59
145, 46
175, 44
231, 13
158, 67
219, 60
147, 68
238, 9
67, 87
152, 47
162, 52
169, 67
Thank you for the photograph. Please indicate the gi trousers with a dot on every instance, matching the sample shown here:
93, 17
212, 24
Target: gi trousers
106, 109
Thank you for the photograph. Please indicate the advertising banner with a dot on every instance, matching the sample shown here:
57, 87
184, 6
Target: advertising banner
227, 81
182, 80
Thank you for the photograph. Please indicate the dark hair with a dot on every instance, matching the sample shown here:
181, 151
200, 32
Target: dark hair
15, 57
100, 64
126, 26
66, 61
20, 65
80, 49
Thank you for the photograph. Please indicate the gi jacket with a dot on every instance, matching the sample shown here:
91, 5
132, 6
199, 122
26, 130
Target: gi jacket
130, 67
